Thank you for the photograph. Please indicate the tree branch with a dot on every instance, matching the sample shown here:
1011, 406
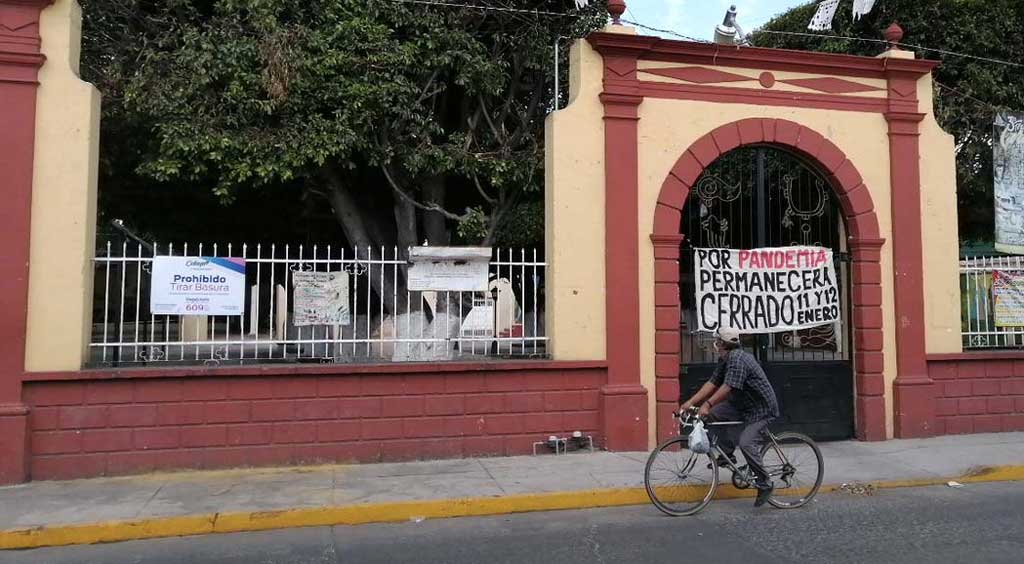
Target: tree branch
432, 207
426, 88
487, 117
479, 188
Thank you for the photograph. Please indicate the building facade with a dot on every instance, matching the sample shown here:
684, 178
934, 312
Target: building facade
664, 146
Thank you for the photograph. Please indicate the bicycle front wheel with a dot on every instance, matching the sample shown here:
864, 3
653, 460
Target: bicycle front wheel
795, 466
679, 481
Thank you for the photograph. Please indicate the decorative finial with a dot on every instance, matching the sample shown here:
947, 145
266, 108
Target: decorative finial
894, 34
616, 8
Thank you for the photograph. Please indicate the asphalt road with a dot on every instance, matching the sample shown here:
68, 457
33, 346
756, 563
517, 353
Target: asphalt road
979, 523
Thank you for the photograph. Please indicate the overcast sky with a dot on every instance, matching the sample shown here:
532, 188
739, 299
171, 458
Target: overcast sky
697, 18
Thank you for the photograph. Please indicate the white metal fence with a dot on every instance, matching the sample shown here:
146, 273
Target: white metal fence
388, 323
979, 327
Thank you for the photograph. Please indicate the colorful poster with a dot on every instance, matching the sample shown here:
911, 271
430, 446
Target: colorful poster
321, 298
197, 286
1008, 174
765, 290
1008, 298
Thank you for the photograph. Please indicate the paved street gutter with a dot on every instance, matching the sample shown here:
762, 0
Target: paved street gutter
360, 514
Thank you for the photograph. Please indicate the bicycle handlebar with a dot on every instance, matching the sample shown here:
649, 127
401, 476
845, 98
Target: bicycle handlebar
687, 415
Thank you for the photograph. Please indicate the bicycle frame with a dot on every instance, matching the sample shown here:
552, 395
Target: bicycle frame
777, 471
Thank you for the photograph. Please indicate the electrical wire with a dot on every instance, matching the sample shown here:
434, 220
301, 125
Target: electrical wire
907, 45
487, 8
668, 31
969, 97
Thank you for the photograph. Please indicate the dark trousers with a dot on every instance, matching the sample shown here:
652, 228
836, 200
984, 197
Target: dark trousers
748, 437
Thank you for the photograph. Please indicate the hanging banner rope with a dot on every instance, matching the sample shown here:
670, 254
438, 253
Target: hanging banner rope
765, 290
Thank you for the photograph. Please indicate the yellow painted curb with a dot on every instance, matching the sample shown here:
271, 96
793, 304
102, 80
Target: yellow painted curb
116, 531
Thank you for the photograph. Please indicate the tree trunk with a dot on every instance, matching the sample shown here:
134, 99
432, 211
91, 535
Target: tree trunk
407, 233
352, 220
434, 224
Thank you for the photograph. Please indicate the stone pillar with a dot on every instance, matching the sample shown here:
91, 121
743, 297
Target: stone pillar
624, 399
63, 200
914, 395
20, 60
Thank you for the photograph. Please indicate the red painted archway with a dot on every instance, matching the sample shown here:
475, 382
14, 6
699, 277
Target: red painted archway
864, 243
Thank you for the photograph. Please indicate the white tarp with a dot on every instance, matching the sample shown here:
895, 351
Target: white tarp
1008, 173
862, 8
448, 269
197, 286
321, 298
765, 290
823, 16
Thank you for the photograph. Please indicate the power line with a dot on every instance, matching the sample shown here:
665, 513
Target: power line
484, 8
908, 45
969, 97
668, 31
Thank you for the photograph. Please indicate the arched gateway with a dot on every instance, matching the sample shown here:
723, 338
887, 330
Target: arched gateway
668, 145
777, 184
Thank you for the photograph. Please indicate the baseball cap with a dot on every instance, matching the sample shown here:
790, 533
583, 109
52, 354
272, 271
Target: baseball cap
728, 335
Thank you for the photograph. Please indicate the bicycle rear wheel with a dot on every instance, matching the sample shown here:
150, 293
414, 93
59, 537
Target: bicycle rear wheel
795, 465
678, 481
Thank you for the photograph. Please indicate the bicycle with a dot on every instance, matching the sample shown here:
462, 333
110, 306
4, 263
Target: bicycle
692, 483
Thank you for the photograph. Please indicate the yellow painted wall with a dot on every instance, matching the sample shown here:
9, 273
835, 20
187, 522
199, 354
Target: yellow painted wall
63, 199
575, 182
574, 214
941, 233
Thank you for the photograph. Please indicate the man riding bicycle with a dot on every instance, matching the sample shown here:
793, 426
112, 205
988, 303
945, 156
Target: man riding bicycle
739, 391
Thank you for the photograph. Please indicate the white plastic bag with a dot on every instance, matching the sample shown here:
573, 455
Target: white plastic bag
699, 442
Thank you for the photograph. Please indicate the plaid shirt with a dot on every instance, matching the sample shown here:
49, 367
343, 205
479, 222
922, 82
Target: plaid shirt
752, 395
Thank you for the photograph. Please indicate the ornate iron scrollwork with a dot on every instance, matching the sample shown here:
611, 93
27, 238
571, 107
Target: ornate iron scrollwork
150, 354
823, 337
820, 195
355, 268
711, 188
716, 230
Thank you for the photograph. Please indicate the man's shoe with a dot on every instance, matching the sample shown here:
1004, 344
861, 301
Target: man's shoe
722, 462
763, 493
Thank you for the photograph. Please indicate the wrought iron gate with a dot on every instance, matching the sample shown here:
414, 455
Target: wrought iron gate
763, 196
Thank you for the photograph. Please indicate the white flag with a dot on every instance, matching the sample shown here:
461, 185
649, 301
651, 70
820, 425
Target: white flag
862, 8
580, 4
822, 20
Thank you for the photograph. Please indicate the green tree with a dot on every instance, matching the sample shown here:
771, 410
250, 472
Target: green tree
969, 91
409, 121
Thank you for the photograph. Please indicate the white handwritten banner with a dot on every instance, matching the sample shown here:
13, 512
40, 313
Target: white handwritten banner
321, 298
765, 290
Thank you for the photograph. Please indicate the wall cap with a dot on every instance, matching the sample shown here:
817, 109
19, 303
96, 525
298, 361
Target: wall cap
975, 356
286, 370
653, 48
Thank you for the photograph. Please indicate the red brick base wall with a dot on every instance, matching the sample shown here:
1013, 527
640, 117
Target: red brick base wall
135, 424
977, 393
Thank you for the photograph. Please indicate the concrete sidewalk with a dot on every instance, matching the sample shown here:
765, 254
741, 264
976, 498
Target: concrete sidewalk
170, 504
